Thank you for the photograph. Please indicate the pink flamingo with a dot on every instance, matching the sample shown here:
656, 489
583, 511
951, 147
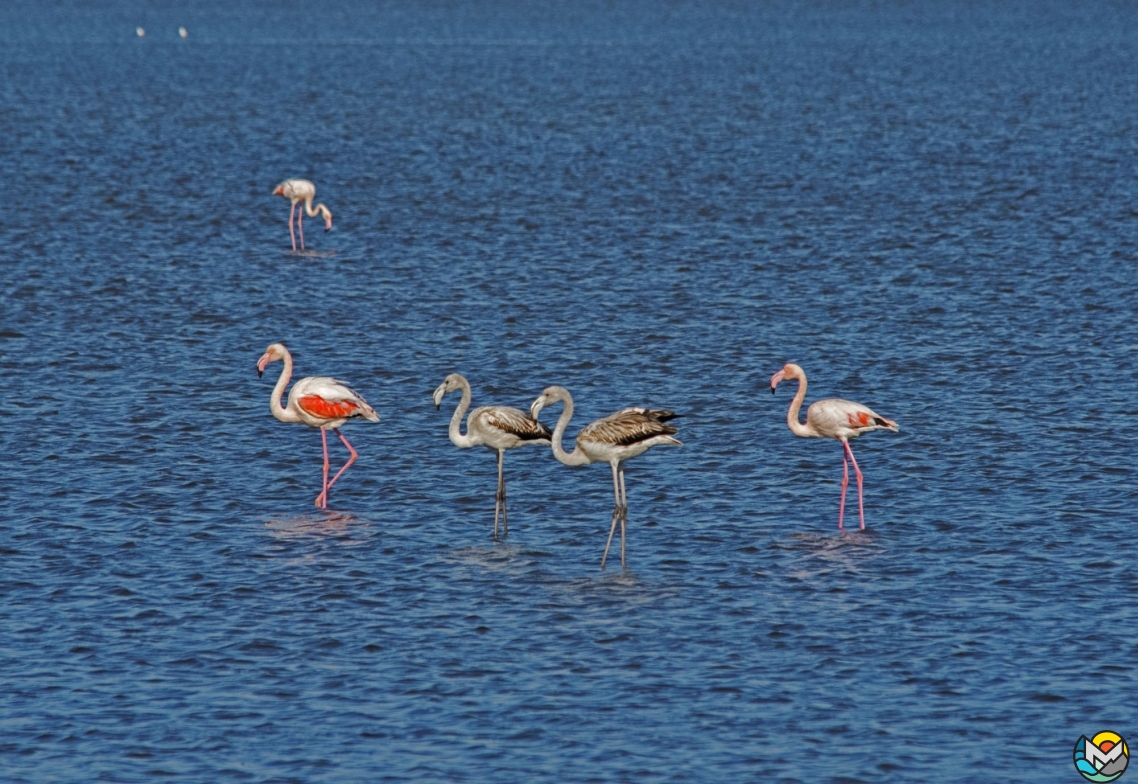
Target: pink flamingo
832, 418
316, 401
298, 191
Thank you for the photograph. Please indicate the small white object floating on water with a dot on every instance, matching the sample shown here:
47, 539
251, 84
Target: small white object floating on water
183, 32
141, 32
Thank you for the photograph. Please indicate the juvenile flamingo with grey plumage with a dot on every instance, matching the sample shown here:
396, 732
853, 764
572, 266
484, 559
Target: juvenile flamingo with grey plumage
613, 440
496, 427
832, 418
316, 401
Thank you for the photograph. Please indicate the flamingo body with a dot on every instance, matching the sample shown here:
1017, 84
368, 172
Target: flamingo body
325, 402
316, 401
626, 434
298, 191
832, 418
497, 428
844, 419
503, 427
613, 439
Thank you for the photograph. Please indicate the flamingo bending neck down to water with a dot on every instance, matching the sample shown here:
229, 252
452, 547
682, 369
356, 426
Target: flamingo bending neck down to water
298, 191
613, 440
316, 401
832, 418
496, 427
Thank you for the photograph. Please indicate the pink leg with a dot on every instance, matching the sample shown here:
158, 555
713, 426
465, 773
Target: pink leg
860, 510
291, 231
351, 460
845, 483
322, 499
300, 223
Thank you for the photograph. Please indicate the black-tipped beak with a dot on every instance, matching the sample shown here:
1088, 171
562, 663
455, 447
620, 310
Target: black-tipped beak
260, 372
437, 406
772, 390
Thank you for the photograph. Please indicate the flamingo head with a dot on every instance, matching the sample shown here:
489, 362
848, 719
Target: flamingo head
450, 384
274, 353
327, 218
789, 370
549, 396
279, 190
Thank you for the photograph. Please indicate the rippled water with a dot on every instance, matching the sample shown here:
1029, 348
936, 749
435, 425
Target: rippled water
930, 206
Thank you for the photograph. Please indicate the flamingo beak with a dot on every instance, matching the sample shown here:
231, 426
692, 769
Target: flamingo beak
438, 396
535, 408
776, 379
262, 363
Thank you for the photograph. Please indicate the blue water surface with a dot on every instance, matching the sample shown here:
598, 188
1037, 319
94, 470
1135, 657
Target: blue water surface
930, 206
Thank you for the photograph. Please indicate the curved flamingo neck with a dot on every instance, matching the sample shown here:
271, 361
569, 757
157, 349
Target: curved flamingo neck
796, 427
319, 209
576, 457
279, 411
456, 436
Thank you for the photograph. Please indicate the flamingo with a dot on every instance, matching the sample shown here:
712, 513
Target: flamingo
613, 440
316, 401
832, 418
497, 427
298, 191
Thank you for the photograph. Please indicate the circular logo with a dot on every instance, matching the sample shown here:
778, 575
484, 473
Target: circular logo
1101, 758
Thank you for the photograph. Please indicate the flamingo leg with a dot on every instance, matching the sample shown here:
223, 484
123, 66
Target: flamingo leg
351, 460
291, 231
860, 508
615, 510
322, 499
623, 513
300, 224
845, 483
500, 497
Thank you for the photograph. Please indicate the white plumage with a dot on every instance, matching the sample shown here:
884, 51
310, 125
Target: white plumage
297, 191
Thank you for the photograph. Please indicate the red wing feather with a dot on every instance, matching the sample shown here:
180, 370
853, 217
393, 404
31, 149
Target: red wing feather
862, 419
327, 409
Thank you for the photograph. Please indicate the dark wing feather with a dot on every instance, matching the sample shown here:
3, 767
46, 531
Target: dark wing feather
629, 426
512, 420
658, 414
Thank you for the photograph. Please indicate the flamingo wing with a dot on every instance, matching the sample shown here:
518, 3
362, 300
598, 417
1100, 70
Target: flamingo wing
839, 418
657, 414
328, 398
629, 426
512, 421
